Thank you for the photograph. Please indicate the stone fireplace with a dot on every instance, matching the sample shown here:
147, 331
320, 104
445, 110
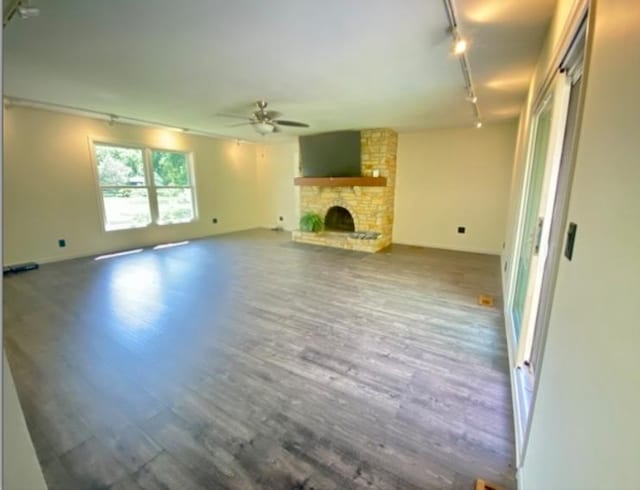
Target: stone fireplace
357, 211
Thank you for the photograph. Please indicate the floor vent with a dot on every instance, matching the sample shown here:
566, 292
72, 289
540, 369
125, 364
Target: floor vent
483, 485
485, 300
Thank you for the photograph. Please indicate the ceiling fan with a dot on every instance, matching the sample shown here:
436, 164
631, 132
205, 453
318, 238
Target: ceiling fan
264, 121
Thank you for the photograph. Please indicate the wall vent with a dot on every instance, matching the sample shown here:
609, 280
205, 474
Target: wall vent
485, 300
483, 485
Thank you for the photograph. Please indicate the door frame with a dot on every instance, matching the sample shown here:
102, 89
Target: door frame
559, 94
574, 68
573, 65
520, 235
581, 13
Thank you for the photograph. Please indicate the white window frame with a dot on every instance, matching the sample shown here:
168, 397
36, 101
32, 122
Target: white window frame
153, 187
150, 184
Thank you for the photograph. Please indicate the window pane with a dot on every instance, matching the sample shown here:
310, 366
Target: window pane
174, 206
119, 166
126, 208
170, 168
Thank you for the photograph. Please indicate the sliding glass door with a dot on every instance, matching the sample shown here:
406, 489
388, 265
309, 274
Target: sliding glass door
554, 129
532, 223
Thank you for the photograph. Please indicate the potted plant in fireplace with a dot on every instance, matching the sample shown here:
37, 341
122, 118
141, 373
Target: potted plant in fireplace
311, 222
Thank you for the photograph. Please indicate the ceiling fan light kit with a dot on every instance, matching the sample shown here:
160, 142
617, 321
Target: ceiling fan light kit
263, 127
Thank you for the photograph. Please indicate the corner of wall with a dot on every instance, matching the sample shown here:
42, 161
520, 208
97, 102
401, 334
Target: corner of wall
20, 467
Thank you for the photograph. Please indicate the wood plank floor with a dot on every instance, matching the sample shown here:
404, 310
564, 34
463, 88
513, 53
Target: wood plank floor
247, 361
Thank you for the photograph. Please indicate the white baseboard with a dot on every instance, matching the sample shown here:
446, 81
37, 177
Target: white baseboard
94, 253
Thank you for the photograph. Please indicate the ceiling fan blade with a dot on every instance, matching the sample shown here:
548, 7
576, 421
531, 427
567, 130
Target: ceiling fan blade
248, 123
273, 114
237, 116
295, 124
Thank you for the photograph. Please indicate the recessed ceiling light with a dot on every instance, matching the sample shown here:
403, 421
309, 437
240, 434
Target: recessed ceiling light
478, 124
472, 98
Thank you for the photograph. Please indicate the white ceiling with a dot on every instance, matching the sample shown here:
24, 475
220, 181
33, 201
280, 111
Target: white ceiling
334, 64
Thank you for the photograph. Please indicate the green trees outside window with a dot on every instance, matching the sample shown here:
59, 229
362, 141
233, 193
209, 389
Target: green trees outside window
140, 186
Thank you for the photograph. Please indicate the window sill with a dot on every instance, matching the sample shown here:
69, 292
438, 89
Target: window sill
151, 225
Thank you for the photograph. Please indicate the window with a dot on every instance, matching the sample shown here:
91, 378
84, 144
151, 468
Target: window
143, 186
173, 187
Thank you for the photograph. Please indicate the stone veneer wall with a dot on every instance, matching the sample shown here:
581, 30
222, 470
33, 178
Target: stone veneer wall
371, 207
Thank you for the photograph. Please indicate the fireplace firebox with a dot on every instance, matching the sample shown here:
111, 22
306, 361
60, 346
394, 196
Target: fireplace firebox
339, 219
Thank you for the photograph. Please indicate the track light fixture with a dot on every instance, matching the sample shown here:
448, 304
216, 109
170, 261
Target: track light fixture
110, 119
459, 45
460, 48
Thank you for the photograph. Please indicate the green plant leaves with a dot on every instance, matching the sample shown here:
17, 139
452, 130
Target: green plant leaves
311, 222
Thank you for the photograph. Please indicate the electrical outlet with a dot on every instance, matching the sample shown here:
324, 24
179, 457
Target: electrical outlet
214, 221
62, 243
462, 229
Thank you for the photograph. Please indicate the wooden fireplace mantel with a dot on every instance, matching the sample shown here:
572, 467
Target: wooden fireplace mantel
341, 181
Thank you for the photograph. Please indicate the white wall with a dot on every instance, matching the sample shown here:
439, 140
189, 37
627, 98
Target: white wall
585, 431
50, 190
454, 177
277, 165
20, 468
